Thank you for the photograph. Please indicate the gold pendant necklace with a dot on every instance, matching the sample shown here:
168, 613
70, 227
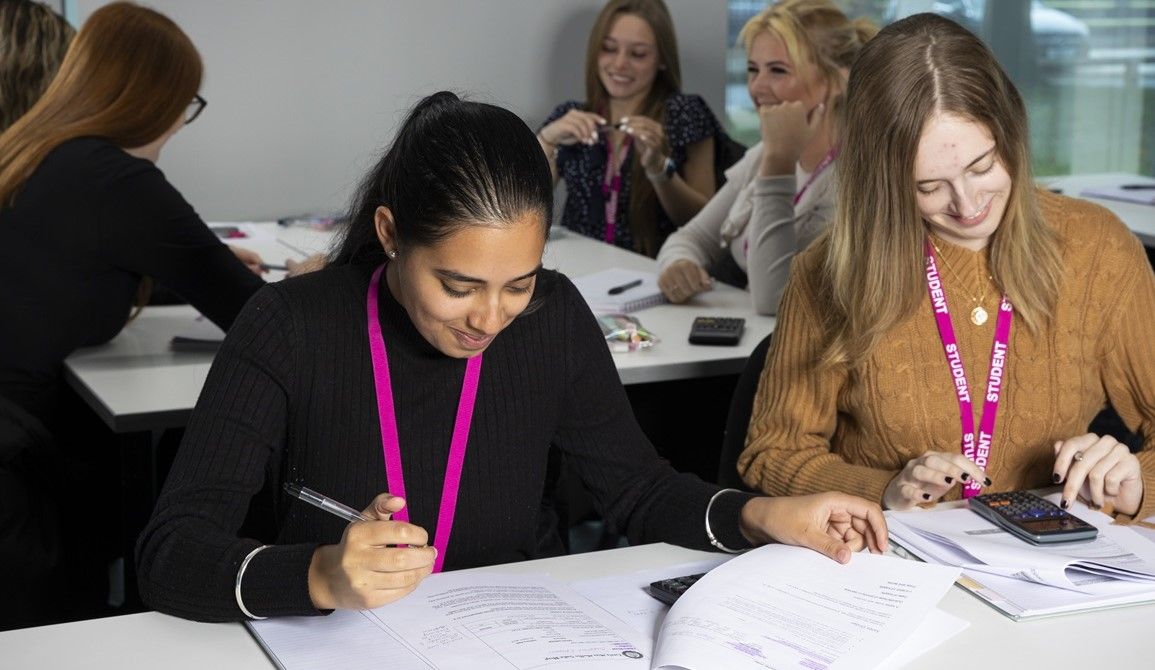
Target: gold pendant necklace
979, 315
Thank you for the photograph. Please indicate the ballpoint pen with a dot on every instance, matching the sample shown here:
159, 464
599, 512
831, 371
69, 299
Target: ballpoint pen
1137, 187
270, 266
625, 287
321, 502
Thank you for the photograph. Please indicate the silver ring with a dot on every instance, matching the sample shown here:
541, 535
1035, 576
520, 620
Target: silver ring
1078, 455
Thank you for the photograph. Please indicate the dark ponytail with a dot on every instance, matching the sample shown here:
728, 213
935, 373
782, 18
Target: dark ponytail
453, 163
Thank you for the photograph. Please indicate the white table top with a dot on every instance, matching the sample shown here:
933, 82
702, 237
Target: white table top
1139, 218
1103, 639
137, 382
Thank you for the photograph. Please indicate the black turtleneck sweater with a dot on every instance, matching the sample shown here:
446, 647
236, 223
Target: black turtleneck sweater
290, 398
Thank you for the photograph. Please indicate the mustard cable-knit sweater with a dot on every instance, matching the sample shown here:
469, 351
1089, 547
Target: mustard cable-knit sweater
817, 430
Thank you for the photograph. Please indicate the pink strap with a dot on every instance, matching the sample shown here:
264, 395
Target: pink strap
822, 165
387, 418
612, 185
979, 453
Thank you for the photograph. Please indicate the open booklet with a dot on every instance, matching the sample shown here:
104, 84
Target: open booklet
773, 607
1023, 580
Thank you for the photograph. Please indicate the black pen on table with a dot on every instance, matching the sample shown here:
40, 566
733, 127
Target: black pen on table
322, 502
270, 266
625, 287
1137, 187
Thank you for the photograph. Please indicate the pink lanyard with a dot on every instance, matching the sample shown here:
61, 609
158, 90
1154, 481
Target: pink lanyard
612, 184
390, 445
980, 453
822, 165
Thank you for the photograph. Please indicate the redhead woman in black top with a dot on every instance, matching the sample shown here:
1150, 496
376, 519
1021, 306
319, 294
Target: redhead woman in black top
84, 212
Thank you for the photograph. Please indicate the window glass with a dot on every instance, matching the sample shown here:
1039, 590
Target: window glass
1086, 69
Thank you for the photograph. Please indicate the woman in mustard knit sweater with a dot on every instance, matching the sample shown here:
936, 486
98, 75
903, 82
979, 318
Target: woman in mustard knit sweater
895, 353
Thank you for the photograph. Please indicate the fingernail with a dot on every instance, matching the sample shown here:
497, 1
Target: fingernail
926, 496
949, 479
987, 481
1063, 503
1057, 477
964, 476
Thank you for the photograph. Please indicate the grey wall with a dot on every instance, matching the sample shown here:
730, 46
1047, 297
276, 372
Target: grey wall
304, 94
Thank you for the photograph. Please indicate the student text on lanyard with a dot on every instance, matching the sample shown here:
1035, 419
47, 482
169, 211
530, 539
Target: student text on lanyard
978, 452
612, 183
388, 420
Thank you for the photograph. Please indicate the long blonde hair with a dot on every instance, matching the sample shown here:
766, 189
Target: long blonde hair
817, 35
874, 271
128, 76
33, 39
643, 205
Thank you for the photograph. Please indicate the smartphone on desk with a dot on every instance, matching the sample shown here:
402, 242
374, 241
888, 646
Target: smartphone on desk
1032, 518
669, 590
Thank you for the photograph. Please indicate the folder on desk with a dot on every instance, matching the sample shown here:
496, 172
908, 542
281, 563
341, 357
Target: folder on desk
200, 335
642, 291
1024, 581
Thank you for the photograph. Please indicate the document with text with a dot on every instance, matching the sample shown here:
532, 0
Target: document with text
773, 607
787, 607
1026, 581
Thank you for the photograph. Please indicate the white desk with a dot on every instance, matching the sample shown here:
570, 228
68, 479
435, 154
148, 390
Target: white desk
1139, 218
137, 382
1105, 639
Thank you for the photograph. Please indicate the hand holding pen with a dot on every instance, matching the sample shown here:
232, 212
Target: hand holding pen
374, 563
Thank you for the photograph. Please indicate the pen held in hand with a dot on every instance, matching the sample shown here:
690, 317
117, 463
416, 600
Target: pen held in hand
270, 266
625, 287
321, 502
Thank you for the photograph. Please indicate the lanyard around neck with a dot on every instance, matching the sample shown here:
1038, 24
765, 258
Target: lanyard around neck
822, 165
980, 452
612, 184
390, 444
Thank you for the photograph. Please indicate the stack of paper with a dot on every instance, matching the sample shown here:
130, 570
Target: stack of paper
777, 606
1024, 580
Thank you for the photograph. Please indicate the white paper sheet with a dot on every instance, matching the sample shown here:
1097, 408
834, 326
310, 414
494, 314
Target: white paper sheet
779, 607
974, 543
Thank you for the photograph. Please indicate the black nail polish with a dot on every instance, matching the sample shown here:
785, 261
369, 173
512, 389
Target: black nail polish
987, 481
1057, 477
926, 496
964, 476
1063, 503
949, 480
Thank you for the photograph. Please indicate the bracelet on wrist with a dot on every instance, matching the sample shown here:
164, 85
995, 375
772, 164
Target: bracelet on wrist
710, 533
241, 576
669, 168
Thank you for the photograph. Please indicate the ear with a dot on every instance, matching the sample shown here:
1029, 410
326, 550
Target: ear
386, 230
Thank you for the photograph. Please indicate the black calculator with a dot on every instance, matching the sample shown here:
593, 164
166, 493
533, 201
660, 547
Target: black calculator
668, 590
1032, 518
717, 330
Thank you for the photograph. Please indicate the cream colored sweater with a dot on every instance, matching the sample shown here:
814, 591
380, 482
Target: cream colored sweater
817, 430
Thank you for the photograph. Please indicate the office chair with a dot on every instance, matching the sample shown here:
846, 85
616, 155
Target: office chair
738, 419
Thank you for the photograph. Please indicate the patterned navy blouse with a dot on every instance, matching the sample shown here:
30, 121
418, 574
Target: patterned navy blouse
688, 121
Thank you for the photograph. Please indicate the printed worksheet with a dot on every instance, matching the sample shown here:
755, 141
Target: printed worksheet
787, 607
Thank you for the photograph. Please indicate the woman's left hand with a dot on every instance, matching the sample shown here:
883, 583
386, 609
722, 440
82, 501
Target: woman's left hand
834, 524
1101, 470
651, 140
251, 259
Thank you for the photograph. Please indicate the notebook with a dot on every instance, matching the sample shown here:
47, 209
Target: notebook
633, 290
1142, 196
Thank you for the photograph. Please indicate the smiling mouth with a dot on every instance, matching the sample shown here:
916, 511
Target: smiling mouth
977, 218
471, 342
